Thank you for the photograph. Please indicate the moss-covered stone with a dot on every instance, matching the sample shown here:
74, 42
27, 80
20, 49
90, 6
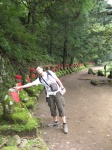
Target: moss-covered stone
90, 71
16, 112
28, 101
11, 148
95, 82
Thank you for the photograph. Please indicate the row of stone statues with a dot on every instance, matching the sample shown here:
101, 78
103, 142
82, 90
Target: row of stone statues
16, 104
99, 73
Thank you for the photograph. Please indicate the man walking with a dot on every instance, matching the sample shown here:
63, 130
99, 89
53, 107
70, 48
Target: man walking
54, 88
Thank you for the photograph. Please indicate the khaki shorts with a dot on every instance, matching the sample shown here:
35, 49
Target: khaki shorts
56, 102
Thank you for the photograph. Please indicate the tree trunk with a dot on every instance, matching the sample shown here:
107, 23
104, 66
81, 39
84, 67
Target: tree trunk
29, 14
51, 45
65, 51
72, 60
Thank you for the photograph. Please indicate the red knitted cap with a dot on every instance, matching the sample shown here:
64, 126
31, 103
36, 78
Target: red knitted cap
18, 77
32, 69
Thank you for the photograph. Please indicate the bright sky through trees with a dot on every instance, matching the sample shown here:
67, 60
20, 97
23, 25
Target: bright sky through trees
109, 1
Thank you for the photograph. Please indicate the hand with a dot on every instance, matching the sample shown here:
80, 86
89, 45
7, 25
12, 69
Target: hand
64, 91
16, 88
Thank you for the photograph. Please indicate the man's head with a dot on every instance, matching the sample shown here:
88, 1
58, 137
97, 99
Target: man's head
39, 69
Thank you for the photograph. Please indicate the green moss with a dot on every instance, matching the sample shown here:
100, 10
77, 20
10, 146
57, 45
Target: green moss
17, 127
11, 148
94, 82
28, 101
40, 144
37, 142
33, 91
58, 74
2, 140
40, 87
21, 117
31, 103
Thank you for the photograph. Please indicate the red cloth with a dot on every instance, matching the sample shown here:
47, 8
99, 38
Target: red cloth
15, 96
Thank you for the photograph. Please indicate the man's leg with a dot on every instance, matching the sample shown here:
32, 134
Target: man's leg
63, 119
52, 105
65, 126
60, 107
55, 119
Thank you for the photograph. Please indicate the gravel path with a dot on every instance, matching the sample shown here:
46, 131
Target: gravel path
89, 115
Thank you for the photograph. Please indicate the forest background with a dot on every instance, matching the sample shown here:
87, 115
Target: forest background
50, 32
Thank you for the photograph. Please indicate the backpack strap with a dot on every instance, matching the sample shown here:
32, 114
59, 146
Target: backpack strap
48, 73
45, 81
40, 79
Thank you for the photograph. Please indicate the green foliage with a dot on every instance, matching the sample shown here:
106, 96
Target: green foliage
2, 140
18, 127
40, 36
18, 118
6, 76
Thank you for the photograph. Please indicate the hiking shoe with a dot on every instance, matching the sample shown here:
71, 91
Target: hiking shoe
65, 128
55, 124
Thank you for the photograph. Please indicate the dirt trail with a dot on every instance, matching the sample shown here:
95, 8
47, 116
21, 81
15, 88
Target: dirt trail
89, 115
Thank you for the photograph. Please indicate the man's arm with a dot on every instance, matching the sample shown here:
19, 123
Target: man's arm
59, 82
61, 85
25, 86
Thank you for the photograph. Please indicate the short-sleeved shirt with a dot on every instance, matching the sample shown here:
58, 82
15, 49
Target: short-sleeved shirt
48, 79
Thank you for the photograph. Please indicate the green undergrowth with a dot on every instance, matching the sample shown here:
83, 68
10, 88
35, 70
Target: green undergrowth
7, 127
